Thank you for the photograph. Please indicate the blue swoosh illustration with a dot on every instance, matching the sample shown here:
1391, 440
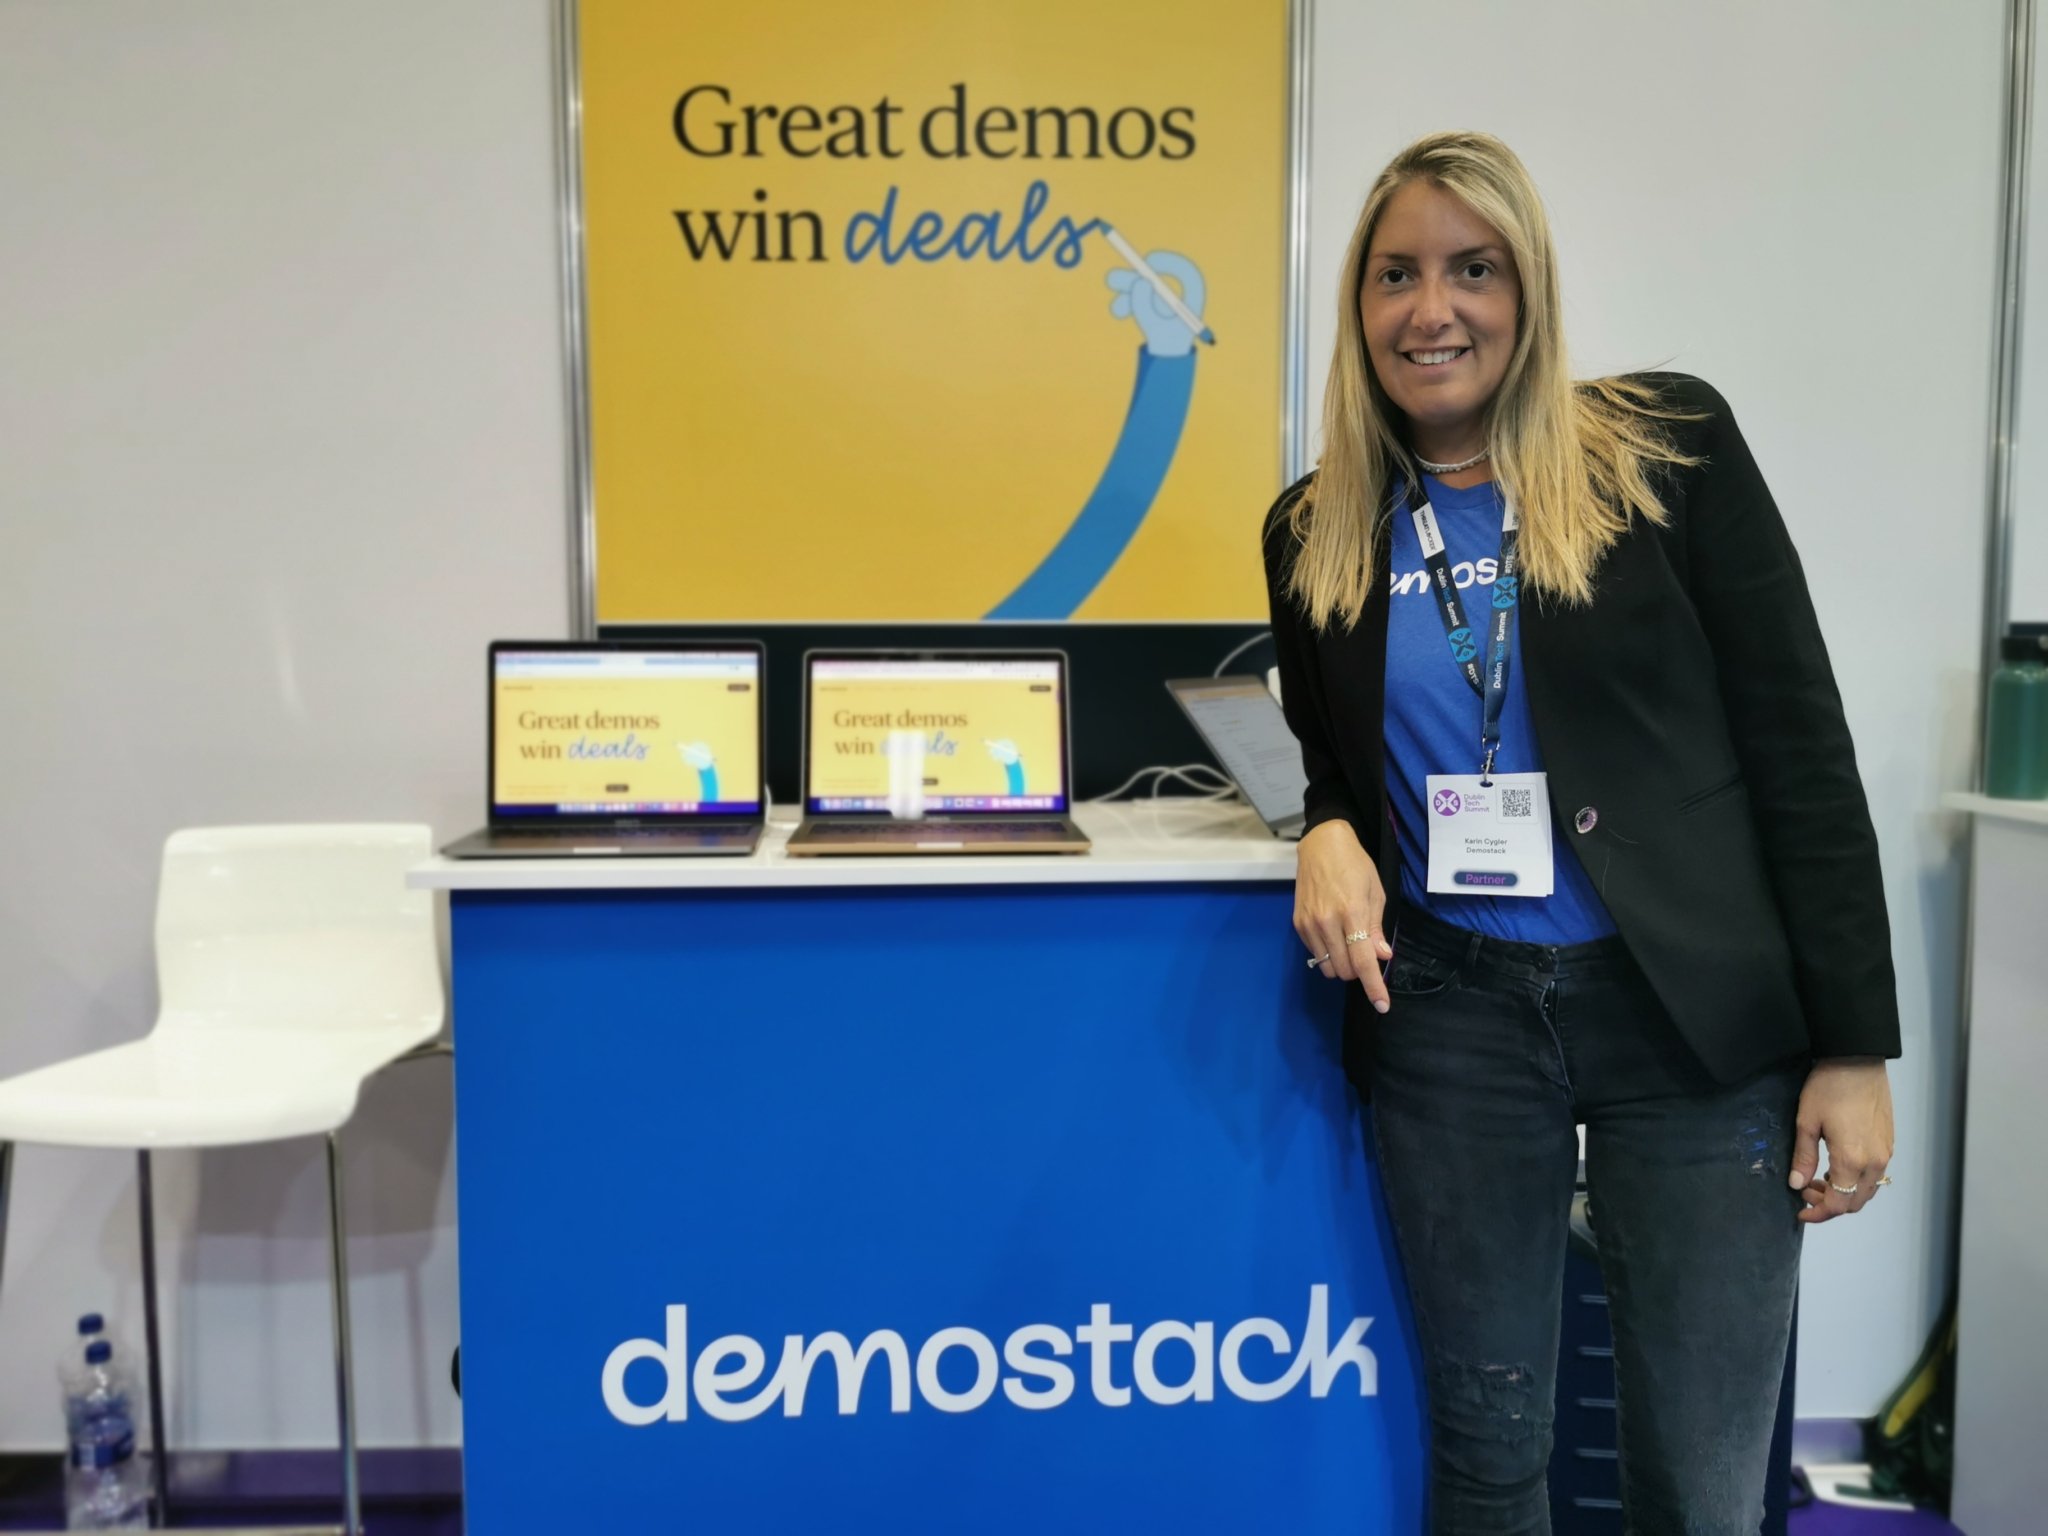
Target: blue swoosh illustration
1111, 516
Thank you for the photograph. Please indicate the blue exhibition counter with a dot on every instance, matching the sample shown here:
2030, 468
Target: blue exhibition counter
919, 1195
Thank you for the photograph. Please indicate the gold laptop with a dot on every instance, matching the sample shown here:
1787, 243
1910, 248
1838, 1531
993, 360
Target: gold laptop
945, 752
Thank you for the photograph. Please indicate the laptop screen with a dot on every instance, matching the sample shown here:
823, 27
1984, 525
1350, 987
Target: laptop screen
1243, 725
618, 731
942, 735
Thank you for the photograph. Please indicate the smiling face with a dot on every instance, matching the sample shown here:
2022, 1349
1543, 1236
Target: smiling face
1439, 302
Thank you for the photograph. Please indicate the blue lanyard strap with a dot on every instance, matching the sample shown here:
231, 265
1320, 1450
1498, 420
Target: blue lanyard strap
1489, 681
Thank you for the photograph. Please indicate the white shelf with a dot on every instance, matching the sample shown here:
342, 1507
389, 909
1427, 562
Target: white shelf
2035, 811
1136, 842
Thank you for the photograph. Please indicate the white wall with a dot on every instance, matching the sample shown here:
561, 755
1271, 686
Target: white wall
281, 447
1798, 203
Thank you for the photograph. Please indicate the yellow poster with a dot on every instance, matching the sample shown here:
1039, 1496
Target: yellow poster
627, 733
933, 310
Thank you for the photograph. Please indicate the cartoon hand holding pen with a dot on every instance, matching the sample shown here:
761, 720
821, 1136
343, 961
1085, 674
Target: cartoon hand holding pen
698, 756
1005, 752
1172, 322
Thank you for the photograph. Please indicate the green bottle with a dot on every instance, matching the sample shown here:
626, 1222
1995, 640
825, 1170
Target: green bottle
2016, 718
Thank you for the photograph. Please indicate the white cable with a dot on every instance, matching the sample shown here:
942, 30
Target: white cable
1240, 650
1203, 794
1155, 773
1219, 786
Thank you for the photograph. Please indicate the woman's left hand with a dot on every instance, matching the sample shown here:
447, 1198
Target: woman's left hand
1847, 1102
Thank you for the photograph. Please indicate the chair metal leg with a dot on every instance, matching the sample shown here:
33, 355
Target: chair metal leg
6, 1181
152, 1334
344, 1359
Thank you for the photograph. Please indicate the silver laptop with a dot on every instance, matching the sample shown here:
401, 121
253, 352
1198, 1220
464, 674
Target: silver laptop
1243, 726
936, 752
613, 748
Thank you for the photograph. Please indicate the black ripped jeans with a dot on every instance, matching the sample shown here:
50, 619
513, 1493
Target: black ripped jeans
1490, 1053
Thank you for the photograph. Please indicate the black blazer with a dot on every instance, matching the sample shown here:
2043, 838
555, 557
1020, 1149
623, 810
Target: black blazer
1700, 767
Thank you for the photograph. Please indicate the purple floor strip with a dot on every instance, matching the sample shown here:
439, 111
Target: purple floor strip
419, 1493
1819, 1519
405, 1492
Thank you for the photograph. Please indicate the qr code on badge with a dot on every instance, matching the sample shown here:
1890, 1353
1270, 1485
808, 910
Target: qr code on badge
1516, 803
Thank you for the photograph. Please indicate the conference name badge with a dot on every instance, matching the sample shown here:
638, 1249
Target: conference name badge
1490, 838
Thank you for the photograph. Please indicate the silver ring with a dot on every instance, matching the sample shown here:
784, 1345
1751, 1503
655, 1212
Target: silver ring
1839, 1190
1320, 960
1357, 938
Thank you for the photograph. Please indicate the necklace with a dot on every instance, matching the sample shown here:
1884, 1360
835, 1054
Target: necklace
1452, 469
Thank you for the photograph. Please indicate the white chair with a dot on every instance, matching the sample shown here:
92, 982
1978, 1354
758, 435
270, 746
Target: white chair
292, 963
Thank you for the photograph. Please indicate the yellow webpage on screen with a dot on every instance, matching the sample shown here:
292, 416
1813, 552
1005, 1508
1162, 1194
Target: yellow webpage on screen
626, 734
973, 736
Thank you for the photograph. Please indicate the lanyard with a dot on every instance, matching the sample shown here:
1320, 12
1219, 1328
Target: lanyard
1491, 683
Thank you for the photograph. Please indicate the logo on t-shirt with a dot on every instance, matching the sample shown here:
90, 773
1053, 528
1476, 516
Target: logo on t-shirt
1463, 574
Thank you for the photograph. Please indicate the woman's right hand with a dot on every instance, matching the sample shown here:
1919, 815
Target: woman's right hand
1337, 892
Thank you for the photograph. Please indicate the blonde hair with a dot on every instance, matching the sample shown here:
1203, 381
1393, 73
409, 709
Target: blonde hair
1576, 458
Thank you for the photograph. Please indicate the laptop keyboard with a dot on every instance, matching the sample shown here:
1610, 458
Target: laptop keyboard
623, 837
947, 831
607, 834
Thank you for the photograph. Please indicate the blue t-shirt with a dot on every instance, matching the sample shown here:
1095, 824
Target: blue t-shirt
1433, 723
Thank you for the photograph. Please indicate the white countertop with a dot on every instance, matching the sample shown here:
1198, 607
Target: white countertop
1135, 841
2035, 811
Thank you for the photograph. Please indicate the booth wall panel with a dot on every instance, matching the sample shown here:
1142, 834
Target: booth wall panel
281, 449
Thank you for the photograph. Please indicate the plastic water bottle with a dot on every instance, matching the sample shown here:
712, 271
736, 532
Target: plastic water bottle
103, 1483
71, 1378
71, 1364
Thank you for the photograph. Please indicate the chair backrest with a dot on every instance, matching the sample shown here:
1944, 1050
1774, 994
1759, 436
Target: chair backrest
296, 925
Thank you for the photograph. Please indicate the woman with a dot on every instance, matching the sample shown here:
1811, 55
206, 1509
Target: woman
1580, 782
